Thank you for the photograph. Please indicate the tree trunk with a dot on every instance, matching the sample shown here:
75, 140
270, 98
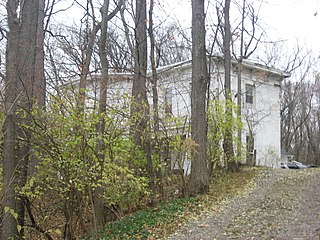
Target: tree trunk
140, 106
39, 89
98, 192
155, 97
228, 138
85, 67
24, 85
199, 176
239, 110
239, 85
98, 202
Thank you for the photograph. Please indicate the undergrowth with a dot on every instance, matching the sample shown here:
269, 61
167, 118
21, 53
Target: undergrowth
158, 222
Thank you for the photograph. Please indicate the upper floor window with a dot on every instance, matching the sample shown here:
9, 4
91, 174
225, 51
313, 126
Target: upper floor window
249, 93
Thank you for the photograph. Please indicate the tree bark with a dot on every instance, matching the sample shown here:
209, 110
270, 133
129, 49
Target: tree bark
199, 176
85, 68
98, 201
239, 85
24, 86
155, 98
98, 192
39, 88
140, 106
228, 138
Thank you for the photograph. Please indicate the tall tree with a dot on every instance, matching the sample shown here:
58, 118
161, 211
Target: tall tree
89, 46
99, 213
247, 45
24, 85
140, 105
239, 82
154, 78
228, 138
98, 203
87, 55
199, 176
155, 96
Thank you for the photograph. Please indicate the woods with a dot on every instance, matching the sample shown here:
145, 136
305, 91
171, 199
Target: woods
125, 108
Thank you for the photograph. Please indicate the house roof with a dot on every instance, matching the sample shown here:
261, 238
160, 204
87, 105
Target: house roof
258, 66
246, 63
116, 76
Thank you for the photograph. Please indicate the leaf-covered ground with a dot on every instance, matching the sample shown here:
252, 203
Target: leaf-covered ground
160, 221
282, 204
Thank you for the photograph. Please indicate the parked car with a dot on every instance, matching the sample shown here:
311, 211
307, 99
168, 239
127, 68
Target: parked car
296, 165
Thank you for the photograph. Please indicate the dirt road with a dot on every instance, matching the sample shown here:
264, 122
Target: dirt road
284, 205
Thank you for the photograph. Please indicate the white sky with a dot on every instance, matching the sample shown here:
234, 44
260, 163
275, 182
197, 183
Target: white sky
293, 20
290, 20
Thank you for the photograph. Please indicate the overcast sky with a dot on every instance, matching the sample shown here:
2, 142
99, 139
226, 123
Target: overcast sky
293, 19
290, 20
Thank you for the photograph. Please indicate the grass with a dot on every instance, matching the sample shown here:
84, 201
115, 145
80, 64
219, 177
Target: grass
158, 222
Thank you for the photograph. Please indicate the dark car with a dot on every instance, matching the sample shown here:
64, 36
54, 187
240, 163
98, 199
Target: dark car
296, 165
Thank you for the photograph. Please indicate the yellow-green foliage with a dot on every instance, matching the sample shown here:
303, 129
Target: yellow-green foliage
218, 123
122, 187
71, 165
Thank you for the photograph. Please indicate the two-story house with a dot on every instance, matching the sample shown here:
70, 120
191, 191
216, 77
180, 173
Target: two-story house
260, 94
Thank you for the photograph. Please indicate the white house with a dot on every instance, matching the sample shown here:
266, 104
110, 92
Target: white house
260, 90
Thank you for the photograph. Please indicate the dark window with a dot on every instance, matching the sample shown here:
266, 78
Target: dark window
168, 101
251, 152
250, 144
249, 93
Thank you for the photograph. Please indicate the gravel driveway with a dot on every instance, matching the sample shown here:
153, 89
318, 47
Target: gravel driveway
284, 204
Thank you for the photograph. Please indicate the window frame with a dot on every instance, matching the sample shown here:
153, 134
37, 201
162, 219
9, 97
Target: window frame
249, 93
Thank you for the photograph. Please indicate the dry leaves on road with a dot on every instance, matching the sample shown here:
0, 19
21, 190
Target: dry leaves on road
284, 204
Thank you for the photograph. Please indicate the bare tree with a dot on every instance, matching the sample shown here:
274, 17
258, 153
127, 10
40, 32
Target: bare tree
85, 64
248, 43
99, 213
199, 176
91, 33
140, 106
172, 44
228, 138
98, 203
24, 85
298, 117
155, 99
